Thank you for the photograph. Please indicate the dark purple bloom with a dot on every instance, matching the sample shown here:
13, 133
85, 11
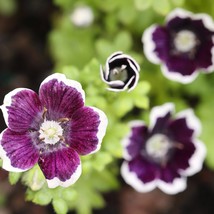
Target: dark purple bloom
121, 72
163, 154
184, 46
51, 128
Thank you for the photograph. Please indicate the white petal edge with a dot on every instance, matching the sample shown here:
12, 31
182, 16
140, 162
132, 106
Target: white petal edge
129, 58
178, 77
101, 128
8, 101
192, 121
55, 182
6, 160
206, 19
178, 185
160, 111
126, 140
132, 179
149, 45
197, 159
137, 76
106, 71
210, 69
68, 82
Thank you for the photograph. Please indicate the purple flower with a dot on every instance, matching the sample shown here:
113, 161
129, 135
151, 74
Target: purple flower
165, 153
51, 128
184, 46
121, 72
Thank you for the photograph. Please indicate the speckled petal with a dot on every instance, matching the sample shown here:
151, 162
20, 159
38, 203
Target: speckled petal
22, 109
88, 127
17, 151
60, 168
61, 96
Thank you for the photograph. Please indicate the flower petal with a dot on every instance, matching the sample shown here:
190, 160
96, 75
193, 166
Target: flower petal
178, 185
60, 168
180, 131
22, 109
160, 115
175, 71
135, 140
141, 178
181, 13
61, 96
17, 151
149, 45
88, 127
191, 120
170, 181
196, 160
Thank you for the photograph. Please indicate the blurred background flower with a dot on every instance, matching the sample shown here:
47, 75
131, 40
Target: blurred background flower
37, 38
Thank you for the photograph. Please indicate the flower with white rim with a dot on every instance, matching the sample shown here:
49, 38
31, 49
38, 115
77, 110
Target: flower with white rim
184, 46
82, 16
51, 128
163, 154
121, 72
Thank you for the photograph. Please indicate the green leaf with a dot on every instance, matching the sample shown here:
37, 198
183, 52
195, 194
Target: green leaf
8, 7
162, 6
14, 177
60, 206
123, 41
178, 2
100, 160
42, 197
69, 194
127, 14
34, 178
142, 4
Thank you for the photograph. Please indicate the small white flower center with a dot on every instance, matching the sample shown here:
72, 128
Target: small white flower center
50, 132
185, 40
157, 146
119, 73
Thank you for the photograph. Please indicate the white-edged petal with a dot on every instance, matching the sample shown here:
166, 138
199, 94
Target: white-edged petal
210, 69
6, 160
8, 101
178, 77
68, 82
126, 140
179, 12
55, 182
101, 128
197, 159
149, 45
132, 179
192, 121
160, 111
178, 185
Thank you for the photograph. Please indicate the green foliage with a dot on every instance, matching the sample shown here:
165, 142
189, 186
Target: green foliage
7, 7
78, 53
14, 177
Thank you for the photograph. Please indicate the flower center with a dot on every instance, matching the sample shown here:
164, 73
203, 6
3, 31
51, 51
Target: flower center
50, 132
185, 41
119, 73
158, 146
